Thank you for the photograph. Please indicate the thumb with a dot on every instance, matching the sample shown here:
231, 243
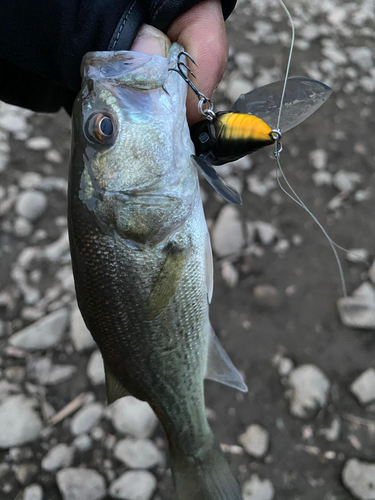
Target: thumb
151, 41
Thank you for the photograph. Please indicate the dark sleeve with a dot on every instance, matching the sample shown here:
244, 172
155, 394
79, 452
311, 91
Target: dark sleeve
42, 43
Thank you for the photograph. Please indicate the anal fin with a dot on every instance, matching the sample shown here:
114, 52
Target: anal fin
220, 367
115, 390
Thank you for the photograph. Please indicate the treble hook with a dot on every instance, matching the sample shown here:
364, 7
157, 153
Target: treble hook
208, 112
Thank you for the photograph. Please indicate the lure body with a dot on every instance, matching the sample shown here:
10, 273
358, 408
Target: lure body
252, 124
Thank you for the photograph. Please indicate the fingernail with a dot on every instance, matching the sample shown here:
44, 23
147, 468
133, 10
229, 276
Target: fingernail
151, 41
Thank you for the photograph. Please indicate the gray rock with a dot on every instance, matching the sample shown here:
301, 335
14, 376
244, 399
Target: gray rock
2, 328
26, 472
134, 417
59, 456
322, 178
365, 290
19, 422
95, 368
258, 489
58, 248
309, 389
86, 418
357, 312
33, 492
255, 440
138, 453
38, 143
80, 335
53, 156
371, 273
133, 485
30, 180
364, 387
332, 432
283, 365
42, 334
227, 234
80, 484
267, 295
31, 204
48, 374
359, 478
237, 86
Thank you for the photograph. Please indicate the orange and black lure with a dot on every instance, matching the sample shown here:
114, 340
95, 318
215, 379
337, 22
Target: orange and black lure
227, 136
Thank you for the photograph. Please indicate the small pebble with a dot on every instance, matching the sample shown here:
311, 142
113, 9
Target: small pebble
80, 484
133, 485
134, 417
59, 456
267, 295
33, 492
258, 489
38, 143
19, 422
357, 255
86, 418
138, 453
95, 368
227, 234
357, 312
80, 335
266, 232
229, 273
255, 440
31, 204
318, 159
364, 387
359, 478
309, 389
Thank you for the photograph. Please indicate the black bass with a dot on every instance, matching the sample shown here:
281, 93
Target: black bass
142, 257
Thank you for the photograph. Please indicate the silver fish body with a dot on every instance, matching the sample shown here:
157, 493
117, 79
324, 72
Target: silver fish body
142, 258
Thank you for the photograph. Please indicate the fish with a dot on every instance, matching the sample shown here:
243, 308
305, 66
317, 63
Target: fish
142, 258
251, 124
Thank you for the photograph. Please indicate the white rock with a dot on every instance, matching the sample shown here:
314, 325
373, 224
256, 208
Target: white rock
237, 86
59, 456
134, 417
30, 180
322, 178
82, 442
227, 234
245, 62
346, 181
80, 484
49, 374
31, 204
318, 159
365, 290
359, 478
80, 335
86, 418
58, 248
229, 273
53, 156
364, 387
258, 489
362, 56
138, 453
332, 432
357, 255
309, 390
95, 368
266, 232
42, 334
371, 273
38, 143
255, 440
19, 422
33, 492
22, 227
357, 312
133, 485
283, 364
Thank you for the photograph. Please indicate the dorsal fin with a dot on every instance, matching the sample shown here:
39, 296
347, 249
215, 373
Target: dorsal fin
220, 367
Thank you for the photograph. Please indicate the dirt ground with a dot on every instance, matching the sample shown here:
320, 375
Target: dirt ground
301, 320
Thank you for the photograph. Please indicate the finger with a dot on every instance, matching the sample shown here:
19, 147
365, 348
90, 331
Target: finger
151, 41
201, 31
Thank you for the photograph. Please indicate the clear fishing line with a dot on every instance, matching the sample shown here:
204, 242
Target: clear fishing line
280, 173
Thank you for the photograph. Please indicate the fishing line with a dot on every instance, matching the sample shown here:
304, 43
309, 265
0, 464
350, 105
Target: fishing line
280, 173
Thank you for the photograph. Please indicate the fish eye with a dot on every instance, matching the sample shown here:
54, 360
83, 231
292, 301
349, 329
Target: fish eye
101, 128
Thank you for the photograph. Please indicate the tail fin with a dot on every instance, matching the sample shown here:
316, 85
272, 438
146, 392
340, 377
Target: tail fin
204, 477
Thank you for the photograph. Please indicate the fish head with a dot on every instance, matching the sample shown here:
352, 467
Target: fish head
131, 145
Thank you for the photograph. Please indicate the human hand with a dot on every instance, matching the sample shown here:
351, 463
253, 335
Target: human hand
201, 31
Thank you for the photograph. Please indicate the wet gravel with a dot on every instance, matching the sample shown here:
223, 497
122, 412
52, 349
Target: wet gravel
306, 429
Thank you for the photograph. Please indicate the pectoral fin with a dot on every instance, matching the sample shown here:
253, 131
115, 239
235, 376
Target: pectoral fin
228, 192
220, 368
209, 268
165, 285
115, 390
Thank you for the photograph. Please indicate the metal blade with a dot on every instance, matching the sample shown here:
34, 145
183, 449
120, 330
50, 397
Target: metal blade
303, 97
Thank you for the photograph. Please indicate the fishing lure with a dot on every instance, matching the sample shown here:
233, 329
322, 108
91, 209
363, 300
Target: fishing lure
250, 125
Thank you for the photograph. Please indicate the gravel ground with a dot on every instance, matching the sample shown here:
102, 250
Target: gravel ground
306, 429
